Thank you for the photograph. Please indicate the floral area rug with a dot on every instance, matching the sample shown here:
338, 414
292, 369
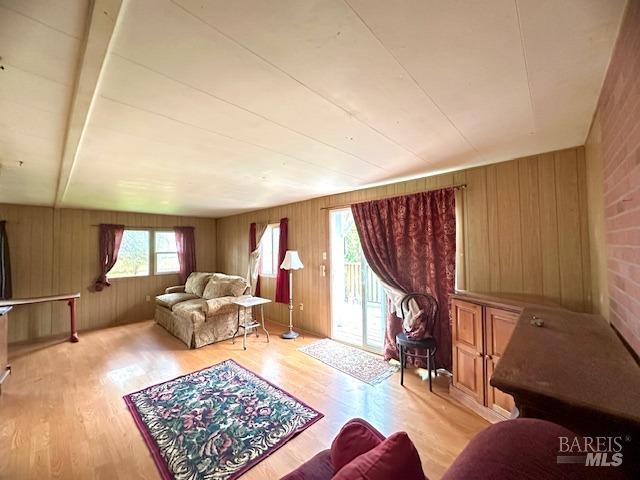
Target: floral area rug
362, 365
216, 423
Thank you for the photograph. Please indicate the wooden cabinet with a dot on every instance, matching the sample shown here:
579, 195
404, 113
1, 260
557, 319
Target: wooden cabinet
480, 333
467, 349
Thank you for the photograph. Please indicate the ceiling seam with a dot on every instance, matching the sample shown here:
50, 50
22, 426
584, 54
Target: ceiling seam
28, 72
244, 109
40, 22
526, 67
214, 132
464, 137
326, 99
32, 107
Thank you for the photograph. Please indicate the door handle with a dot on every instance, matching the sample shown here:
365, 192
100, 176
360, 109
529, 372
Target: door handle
323, 270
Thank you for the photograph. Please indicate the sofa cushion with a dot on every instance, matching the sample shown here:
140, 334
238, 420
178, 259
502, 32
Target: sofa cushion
168, 300
220, 305
395, 457
240, 283
355, 438
224, 276
318, 467
524, 448
196, 282
192, 310
224, 288
216, 289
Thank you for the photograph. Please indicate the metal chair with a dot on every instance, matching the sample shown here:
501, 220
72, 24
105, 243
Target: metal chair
428, 342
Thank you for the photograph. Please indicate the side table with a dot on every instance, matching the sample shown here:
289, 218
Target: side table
246, 303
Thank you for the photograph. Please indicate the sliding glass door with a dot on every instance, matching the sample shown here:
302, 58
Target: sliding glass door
358, 303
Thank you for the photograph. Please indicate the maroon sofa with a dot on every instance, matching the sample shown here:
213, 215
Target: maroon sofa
523, 449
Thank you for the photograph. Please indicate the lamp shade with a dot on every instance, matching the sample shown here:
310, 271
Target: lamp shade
292, 261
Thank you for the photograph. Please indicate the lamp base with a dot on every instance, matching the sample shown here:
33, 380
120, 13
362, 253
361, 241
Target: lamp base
290, 335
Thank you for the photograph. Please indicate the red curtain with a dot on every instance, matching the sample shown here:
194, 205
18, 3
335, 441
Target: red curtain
410, 243
186, 245
282, 277
253, 244
109, 246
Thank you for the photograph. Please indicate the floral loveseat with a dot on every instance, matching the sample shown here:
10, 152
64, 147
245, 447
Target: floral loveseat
201, 311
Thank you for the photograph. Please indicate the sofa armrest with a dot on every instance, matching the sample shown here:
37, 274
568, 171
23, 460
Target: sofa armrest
176, 289
219, 306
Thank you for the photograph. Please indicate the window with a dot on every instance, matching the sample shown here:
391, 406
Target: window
133, 257
145, 251
269, 247
166, 253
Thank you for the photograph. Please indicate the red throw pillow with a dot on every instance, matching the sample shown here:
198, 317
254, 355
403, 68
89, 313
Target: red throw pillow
355, 438
396, 457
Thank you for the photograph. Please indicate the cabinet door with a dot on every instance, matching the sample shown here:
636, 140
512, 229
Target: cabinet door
468, 374
499, 327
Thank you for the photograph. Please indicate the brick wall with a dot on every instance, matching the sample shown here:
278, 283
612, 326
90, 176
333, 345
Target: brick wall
618, 115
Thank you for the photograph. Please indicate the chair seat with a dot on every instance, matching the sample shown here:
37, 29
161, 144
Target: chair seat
421, 343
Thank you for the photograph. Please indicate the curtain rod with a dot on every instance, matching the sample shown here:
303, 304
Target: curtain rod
460, 186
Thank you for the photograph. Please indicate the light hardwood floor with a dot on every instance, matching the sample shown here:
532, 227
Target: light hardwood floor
62, 413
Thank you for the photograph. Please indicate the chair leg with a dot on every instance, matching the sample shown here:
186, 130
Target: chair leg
429, 363
402, 359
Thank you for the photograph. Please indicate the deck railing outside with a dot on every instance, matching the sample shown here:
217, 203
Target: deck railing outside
353, 284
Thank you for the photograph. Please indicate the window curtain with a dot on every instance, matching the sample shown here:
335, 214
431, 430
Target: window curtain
5, 263
282, 277
109, 246
410, 244
186, 246
256, 231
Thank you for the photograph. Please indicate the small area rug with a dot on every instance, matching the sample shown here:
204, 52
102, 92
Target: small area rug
216, 423
362, 365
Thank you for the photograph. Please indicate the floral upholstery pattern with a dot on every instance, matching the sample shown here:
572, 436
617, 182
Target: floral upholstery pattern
217, 422
222, 285
196, 282
216, 306
175, 289
168, 300
191, 309
198, 321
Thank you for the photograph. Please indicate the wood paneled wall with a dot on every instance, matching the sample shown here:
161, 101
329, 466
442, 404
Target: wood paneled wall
525, 230
56, 251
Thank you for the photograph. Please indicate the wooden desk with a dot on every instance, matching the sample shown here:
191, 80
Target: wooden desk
5, 369
572, 370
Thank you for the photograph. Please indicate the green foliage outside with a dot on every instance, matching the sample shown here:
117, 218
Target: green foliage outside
133, 257
352, 245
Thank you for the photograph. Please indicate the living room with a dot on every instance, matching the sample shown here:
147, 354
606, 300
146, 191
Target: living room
320, 239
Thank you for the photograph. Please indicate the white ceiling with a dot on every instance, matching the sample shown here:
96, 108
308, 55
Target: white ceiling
211, 108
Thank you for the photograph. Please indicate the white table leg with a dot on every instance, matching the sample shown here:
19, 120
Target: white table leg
262, 318
244, 338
